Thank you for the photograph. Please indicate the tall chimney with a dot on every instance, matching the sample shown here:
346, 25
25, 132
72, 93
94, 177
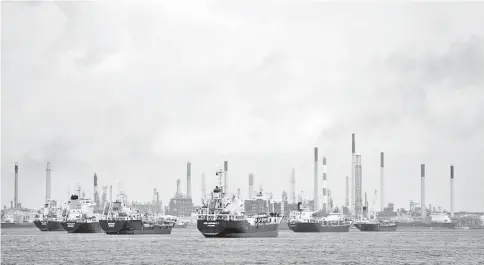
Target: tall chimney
189, 179
347, 200
358, 186
422, 187
47, 182
96, 192
353, 165
226, 173
251, 186
316, 186
293, 186
238, 193
204, 189
325, 195
178, 190
382, 181
15, 200
111, 193
451, 190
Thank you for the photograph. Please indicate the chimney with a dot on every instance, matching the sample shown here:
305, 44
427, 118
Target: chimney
382, 181
96, 192
325, 195
178, 190
353, 165
451, 190
293, 186
47, 182
204, 189
189, 179
15, 200
422, 187
226, 173
316, 186
347, 200
111, 193
358, 186
238, 193
251, 186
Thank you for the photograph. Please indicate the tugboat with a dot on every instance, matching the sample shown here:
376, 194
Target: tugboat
50, 218
222, 217
120, 219
374, 225
80, 216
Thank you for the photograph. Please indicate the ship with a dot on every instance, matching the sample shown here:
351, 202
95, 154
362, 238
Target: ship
375, 225
79, 217
222, 216
305, 221
436, 221
50, 217
119, 219
10, 220
335, 222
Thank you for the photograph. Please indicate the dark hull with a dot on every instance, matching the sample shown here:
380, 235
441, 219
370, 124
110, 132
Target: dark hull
17, 225
237, 229
422, 225
376, 227
48, 225
317, 228
132, 227
79, 227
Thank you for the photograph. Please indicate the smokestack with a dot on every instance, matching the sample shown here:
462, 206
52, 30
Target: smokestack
382, 181
15, 200
204, 190
47, 182
226, 169
451, 190
422, 179
347, 200
251, 186
238, 193
358, 186
111, 193
178, 190
293, 186
325, 195
316, 186
189, 179
96, 192
353, 165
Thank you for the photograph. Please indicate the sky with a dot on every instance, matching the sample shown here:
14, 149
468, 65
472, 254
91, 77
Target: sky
133, 90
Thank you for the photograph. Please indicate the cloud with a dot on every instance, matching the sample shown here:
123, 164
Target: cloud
132, 91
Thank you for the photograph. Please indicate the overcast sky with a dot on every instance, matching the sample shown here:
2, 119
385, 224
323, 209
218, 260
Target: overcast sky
133, 91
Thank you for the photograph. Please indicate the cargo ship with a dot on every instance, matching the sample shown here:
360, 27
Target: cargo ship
335, 222
436, 221
119, 219
305, 221
80, 216
50, 218
375, 225
9, 220
222, 216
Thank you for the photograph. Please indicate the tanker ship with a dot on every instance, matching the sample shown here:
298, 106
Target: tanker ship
305, 221
80, 216
119, 219
50, 218
222, 216
375, 225
436, 221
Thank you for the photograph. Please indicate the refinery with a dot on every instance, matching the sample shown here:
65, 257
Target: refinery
220, 214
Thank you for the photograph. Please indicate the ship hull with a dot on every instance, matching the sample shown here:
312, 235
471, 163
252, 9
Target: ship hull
17, 225
318, 228
236, 229
184, 225
48, 225
132, 227
81, 227
422, 225
376, 227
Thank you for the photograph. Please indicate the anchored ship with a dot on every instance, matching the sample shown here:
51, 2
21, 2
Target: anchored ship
301, 221
436, 221
222, 216
375, 225
335, 222
50, 218
80, 217
120, 219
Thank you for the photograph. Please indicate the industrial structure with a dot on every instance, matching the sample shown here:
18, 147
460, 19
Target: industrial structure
358, 186
382, 181
316, 182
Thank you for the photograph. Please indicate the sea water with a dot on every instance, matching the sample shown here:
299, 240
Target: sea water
188, 246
